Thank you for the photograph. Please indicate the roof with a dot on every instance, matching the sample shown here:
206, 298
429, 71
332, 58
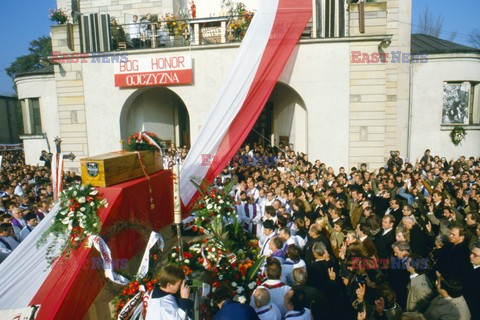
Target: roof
8, 97
423, 43
44, 70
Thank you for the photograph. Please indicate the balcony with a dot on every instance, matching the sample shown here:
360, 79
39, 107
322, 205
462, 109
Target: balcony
331, 19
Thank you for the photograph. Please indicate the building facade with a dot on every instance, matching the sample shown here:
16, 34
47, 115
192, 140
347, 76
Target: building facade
350, 92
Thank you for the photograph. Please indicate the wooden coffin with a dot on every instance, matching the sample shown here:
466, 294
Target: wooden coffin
116, 167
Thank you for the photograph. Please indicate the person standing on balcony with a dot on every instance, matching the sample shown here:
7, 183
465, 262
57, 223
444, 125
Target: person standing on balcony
134, 32
146, 29
118, 34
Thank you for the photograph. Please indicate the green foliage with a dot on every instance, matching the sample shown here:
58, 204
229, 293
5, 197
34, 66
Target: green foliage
253, 271
40, 48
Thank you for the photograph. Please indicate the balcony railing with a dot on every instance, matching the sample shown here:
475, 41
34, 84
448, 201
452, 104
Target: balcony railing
330, 20
176, 33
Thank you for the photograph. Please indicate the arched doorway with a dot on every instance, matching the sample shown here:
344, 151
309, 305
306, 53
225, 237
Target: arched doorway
158, 110
283, 119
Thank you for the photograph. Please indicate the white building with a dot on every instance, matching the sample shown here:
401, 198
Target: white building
335, 100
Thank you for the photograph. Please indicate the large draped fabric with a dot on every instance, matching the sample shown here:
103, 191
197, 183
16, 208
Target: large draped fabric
263, 54
68, 288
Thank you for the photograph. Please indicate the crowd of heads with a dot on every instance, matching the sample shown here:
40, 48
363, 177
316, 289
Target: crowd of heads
340, 244
26, 196
349, 241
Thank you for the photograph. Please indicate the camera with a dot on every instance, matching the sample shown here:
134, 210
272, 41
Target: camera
188, 282
361, 278
393, 154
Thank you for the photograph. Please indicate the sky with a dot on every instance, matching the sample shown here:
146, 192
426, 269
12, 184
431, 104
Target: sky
27, 20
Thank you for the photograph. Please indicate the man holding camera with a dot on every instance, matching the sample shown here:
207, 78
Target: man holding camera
395, 163
164, 303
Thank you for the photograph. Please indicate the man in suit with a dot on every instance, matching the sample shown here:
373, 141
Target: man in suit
386, 237
395, 210
363, 232
472, 282
449, 304
420, 289
318, 270
458, 263
316, 235
418, 239
397, 275
230, 310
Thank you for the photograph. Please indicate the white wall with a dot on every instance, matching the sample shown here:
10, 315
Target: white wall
318, 73
428, 102
44, 88
214, 8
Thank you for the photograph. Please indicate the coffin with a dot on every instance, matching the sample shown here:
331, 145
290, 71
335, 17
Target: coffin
116, 167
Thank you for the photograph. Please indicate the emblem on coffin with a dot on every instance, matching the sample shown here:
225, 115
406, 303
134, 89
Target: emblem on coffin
92, 169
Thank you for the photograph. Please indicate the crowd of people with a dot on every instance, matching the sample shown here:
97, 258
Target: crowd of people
26, 196
397, 242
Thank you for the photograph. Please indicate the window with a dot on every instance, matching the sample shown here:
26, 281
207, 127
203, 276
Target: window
461, 103
32, 120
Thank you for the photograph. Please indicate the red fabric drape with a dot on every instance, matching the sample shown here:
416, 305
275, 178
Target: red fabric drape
73, 284
290, 21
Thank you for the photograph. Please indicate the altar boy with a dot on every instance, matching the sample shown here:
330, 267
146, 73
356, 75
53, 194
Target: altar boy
163, 303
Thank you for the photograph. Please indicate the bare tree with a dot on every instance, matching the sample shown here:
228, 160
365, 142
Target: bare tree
474, 38
429, 24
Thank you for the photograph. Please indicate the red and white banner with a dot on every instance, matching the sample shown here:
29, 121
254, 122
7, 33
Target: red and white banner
263, 54
11, 147
153, 71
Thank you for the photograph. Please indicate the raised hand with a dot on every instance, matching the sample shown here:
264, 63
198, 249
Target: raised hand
428, 226
380, 305
362, 315
331, 274
184, 290
360, 292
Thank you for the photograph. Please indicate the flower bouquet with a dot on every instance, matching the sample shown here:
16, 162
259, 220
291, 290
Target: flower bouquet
144, 140
76, 219
457, 135
58, 15
171, 21
238, 26
133, 288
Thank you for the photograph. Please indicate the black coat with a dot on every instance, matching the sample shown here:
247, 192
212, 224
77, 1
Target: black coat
384, 244
418, 241
471, 291
309, 258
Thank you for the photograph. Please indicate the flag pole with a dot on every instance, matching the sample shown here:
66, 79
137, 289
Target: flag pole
177, 208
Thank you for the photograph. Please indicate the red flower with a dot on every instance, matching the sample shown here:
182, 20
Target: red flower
89, 199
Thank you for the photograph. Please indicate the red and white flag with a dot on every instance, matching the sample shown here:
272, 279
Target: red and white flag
263, 54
